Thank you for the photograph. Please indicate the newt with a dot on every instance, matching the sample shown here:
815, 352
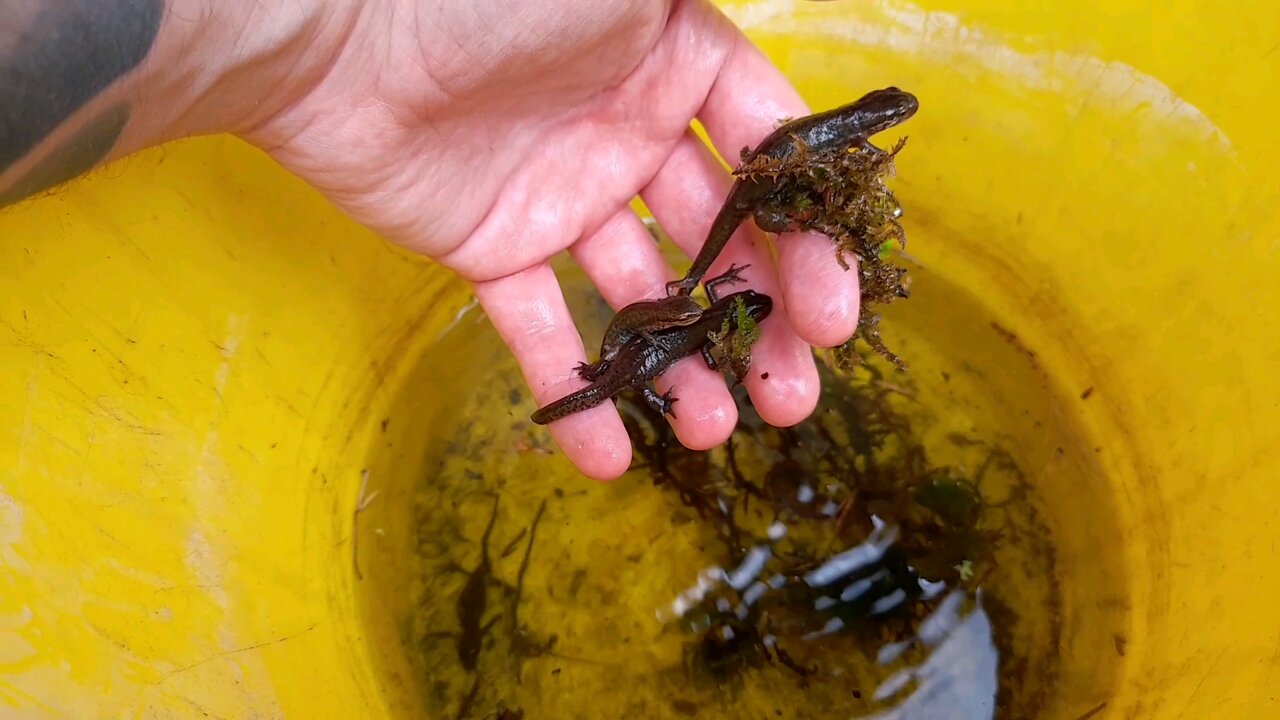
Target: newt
848, 126
641, 361
473, 600
643, 318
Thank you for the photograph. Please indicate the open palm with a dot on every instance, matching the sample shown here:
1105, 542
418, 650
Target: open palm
491, 135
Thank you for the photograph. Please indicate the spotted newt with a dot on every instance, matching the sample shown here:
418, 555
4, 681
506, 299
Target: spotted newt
645, 317
641, 360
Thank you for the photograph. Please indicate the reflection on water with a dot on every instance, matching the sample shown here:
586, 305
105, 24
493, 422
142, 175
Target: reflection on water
853, 562
957, 678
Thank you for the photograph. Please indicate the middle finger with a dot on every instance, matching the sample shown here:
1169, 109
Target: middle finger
685, 197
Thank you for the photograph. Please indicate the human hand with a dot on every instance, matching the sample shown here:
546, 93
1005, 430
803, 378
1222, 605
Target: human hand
487, 135
491, 136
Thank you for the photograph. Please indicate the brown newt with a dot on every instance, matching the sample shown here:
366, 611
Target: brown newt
641, 361
847, 126
642, 318
473, 600
645, 317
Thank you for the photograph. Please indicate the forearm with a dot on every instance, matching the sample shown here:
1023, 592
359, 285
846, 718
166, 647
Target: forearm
83, 82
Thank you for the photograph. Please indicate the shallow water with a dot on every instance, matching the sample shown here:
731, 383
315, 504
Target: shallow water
593, 626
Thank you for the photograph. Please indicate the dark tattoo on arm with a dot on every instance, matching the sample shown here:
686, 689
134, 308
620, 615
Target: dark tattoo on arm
55, 57
78, 155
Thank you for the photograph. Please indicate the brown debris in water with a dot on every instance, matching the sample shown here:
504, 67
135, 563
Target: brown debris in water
825, 479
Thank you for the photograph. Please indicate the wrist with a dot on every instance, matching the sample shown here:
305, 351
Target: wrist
229, 66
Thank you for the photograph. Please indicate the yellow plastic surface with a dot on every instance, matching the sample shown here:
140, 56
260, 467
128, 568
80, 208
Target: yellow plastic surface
196, 353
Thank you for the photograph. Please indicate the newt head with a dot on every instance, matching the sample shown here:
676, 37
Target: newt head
890, 105
758, 305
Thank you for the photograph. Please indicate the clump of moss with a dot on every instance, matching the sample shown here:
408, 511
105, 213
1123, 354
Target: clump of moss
732, 343
842, 194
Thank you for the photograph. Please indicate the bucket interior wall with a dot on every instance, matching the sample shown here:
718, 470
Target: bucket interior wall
203, 362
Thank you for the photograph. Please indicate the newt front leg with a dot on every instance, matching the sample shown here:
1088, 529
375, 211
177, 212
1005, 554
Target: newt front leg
743, 197
662, 403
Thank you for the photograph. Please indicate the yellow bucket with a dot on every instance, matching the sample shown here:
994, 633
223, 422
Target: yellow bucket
199, 357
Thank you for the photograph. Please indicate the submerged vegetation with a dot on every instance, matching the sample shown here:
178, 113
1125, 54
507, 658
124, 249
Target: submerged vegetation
834, 539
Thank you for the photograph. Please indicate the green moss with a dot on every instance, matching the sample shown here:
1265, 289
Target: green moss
734, 340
